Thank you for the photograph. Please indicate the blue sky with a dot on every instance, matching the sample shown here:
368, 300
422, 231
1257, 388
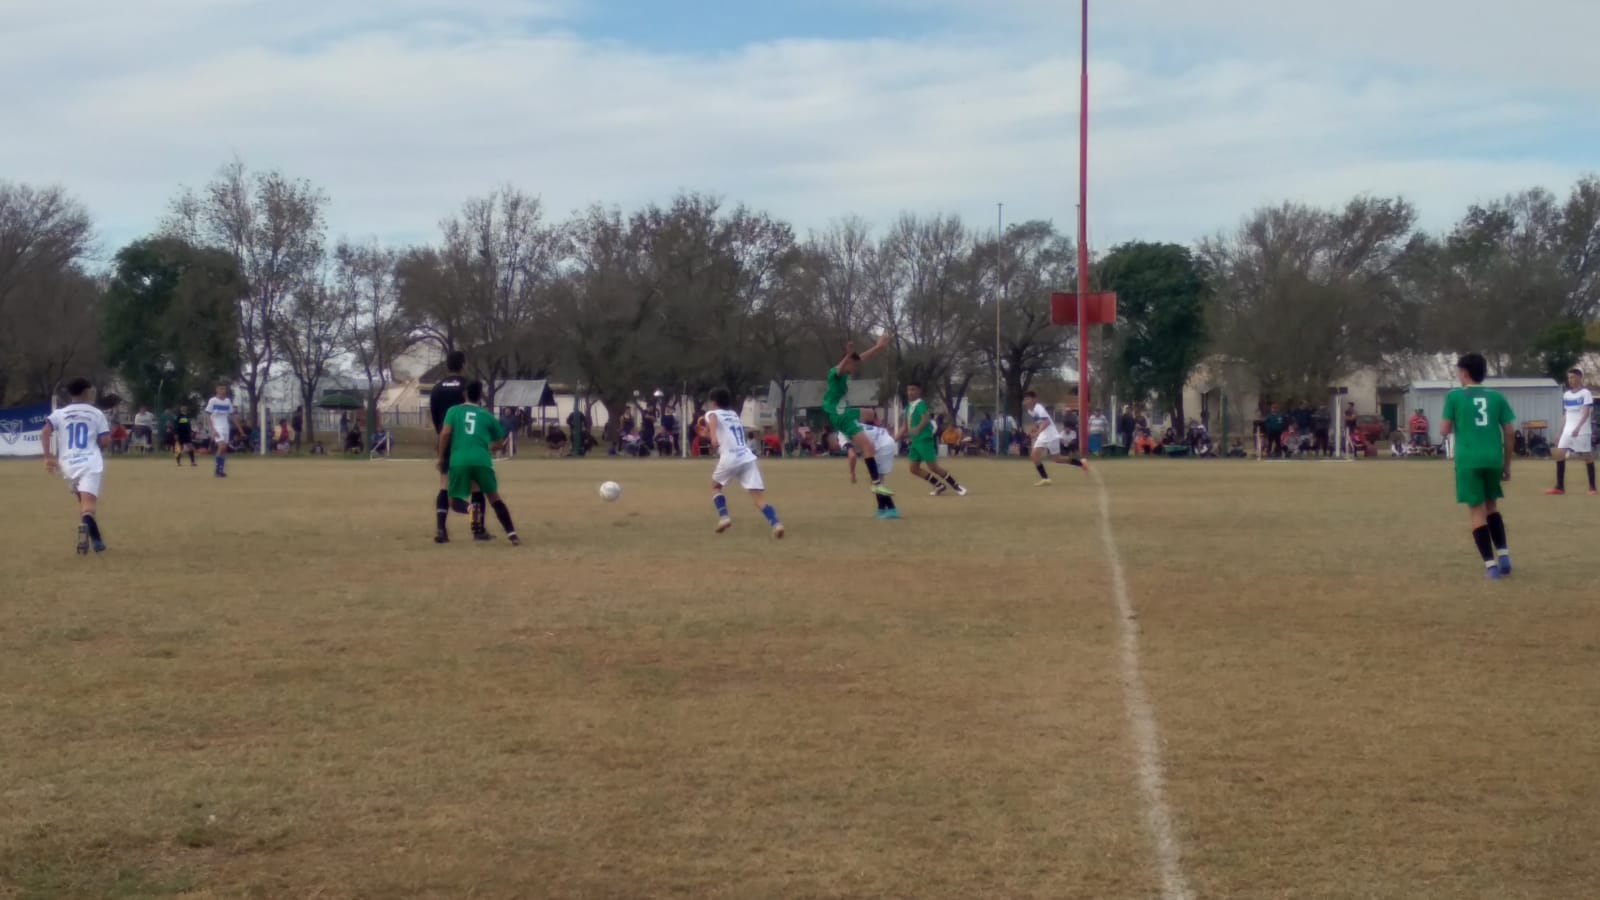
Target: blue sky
812, 111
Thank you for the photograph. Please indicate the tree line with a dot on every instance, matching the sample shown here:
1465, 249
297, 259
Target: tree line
240, 281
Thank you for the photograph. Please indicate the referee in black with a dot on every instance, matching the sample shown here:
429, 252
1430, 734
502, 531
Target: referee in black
452, 391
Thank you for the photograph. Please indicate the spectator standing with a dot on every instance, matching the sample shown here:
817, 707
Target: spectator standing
1126, 427
1273, 426
1097, 431
669, 424
144, 426
1419, 429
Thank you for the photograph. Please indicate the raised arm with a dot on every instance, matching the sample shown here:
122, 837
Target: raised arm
883, 341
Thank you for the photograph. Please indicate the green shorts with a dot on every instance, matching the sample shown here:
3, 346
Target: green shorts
847, 423
1476, 487
463, 477
923, 451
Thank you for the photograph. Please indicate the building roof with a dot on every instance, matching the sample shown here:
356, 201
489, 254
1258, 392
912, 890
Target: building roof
528, 393
1496, 383
808, 394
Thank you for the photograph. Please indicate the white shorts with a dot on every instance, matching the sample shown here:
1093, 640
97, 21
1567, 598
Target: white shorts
1581, 443
1049, 444
84, 483
744, 470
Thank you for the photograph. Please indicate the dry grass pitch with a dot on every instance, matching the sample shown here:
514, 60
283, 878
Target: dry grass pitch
278, 686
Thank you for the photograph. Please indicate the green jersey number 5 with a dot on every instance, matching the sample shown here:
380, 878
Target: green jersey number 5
1482, 403
472, 421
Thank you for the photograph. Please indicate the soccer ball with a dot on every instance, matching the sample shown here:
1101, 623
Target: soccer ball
610, 491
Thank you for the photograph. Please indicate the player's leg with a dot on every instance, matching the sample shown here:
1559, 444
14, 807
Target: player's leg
1471, 490
1497, 532
190, 447
721, 476
483, 479
1036, 455
441, 505
750, 480
1586, 453
219, 452
177, 451
940, 473
479, 505
1560, 454
1078, 461
459, 488
88, 503
916, 455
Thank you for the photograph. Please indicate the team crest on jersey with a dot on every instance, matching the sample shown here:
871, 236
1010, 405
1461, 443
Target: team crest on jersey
11, 430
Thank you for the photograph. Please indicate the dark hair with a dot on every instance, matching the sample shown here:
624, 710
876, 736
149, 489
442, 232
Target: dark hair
722, 397
77, 387
1476, 367
456, 361
1575, 371
914, 384
475, 391
1030, 393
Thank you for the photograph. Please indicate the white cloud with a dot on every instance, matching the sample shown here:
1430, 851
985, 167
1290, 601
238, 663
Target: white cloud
401, 118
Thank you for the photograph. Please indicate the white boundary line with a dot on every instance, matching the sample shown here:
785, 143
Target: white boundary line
1142, 722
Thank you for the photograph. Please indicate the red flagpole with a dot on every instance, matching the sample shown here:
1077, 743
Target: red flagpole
1083, 243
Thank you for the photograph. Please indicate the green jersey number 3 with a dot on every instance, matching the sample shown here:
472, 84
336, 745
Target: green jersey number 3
1482, 403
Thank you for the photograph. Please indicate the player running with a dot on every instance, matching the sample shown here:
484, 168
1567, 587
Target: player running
223, 416
884, 448
1046, 439
735, 460
924, 447
182, 437
450, 392
81, 432
847, 421
1577, 435
467, 442
1482, 422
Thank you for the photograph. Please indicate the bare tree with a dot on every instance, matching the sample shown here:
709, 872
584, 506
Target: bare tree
44, 236
848, 299
310, 336
376, 328
931, 297
273, 225
1018, 272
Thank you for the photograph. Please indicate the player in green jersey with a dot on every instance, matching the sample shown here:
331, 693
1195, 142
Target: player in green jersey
847, 421
467, 442
1481, 423
924, 450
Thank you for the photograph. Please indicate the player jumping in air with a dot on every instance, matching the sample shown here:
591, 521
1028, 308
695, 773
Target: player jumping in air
884, 448
924, 448
1046, 439
735, 461
450, 392
183, 437
467, 442
1577, 435
1482, 423
81, 432
223, 417
846, 421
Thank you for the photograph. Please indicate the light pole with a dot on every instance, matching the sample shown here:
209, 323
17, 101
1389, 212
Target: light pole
1005, 290
1083, 234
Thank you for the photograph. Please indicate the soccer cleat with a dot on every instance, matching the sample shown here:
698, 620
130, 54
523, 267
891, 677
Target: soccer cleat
777, 532
1591, 492
1043, 482
1554, 492
515, 541
937, 490
1504, 565
723, 524
1492, 573
882, 490
441, 537
83, 540
482, 536
889, 514
98, 545
961, 492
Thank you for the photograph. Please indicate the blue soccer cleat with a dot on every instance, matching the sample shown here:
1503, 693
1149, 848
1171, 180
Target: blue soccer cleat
1504, 564
1492, 573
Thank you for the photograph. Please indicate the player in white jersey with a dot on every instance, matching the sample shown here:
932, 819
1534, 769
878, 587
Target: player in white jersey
884, 448
1046, 438
223, 416
1577, 434
81, 432
735, 461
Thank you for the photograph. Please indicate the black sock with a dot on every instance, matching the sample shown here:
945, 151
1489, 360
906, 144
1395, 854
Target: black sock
441, 509
872, 469
952, 479
1480, 536
1075, 462
1589, 467
479, 514
191, 457
1497, 531
888, 502
880, 498
92, 525
1561, 474
504, 515
1042, 472
932, 479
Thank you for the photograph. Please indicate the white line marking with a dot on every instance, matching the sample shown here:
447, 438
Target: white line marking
1142, 722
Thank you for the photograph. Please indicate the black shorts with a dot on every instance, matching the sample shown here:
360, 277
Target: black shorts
183, 438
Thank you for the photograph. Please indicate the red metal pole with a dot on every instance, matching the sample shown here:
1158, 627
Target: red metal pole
1083, 243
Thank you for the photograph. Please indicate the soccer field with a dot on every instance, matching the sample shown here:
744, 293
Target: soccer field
278, 686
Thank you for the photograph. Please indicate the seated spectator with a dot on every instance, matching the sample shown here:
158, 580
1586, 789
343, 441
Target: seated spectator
1237, 451
382, 444
119, 438
772, 443
1418, 428
352, 440
1143, 443
282, 437
318, 450
663, 441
